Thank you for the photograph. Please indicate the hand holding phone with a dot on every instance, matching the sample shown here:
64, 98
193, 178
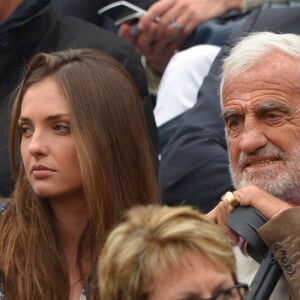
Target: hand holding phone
122, 11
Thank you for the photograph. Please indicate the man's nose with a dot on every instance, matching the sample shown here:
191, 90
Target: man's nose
252, 137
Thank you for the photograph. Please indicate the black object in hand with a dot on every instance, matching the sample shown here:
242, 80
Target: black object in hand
245, 221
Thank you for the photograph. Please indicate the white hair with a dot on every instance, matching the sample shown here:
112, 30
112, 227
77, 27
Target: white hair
251, 50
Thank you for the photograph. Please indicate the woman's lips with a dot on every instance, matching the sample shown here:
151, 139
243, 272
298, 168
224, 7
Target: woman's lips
41, 171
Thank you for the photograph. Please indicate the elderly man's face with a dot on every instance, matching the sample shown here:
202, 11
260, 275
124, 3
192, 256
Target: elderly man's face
262, 119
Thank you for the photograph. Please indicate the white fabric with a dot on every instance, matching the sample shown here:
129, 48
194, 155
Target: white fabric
247, 268
182, 80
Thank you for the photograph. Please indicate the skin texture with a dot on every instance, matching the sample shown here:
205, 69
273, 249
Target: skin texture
262, 119
251, 195
195, 276
158, 40
7, 8
262, 122
47, 143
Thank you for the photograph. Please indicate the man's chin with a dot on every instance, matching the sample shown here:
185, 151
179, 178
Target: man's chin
268, 185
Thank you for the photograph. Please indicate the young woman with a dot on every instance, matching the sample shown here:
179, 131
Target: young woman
78, 127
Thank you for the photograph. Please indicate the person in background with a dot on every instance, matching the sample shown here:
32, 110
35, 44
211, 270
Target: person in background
194, 163
80, 156
88, 10
32, 26
261, 111
179, 86
161, 252
169, 23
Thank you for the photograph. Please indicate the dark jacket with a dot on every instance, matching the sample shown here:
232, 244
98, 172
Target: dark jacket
87, 10
47, 30
194, 163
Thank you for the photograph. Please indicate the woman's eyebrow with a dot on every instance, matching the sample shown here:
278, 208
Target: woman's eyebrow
49, 118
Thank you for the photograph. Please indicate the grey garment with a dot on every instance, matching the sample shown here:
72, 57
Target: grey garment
247, 268
252, 4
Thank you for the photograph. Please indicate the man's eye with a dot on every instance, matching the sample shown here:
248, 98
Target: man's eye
233, 123
273, 116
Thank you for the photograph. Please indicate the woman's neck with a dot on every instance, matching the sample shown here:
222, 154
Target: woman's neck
71, 219
70, 216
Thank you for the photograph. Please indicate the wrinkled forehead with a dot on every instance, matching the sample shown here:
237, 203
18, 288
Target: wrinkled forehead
277, 74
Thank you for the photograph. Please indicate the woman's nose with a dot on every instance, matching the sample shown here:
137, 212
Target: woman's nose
38, 143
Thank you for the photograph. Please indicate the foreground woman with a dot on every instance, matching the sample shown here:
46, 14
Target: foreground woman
78, 127
170, 253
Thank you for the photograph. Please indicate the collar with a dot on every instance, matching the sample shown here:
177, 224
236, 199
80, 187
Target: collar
15, 28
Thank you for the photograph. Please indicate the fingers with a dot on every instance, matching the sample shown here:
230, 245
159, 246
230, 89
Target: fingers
219, 215
126, 33
166, 14
264, 202
230, 199
156, 10
157, 48
160, 54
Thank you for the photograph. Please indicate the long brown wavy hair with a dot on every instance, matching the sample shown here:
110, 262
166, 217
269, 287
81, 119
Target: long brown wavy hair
116, 163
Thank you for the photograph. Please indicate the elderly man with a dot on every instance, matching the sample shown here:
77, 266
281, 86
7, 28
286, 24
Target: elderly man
260, 92
196, 149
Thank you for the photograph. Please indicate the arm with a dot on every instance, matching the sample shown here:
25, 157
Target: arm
280, 233
157, 41
282, 236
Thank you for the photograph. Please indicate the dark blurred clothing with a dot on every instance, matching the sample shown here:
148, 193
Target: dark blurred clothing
87, 10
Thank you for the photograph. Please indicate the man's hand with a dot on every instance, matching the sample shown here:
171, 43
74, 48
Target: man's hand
264, 202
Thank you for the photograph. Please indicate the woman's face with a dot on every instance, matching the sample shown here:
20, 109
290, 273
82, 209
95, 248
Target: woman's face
47, 146
195, 278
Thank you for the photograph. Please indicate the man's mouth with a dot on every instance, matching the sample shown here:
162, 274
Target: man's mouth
259, 162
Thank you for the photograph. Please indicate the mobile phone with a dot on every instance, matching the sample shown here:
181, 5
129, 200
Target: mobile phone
122, 11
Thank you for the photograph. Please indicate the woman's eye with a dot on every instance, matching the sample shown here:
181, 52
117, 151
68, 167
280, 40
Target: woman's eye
62, 127
26, 131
